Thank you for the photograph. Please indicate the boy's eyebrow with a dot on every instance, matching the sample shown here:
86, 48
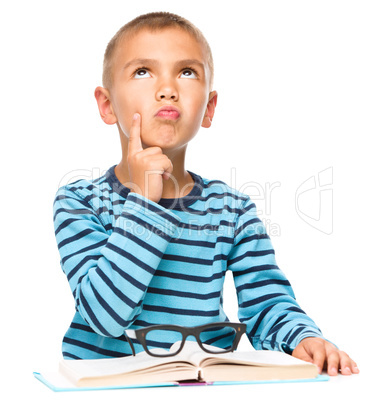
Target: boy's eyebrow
146, 62
138, 62
187, 62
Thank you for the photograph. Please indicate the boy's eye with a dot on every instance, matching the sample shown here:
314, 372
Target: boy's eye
141, 73
189, 73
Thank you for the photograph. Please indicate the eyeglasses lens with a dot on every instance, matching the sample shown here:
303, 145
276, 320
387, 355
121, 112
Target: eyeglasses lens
220, 336
163, 342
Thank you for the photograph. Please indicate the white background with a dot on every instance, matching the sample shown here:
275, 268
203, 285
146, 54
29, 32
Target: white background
303, 86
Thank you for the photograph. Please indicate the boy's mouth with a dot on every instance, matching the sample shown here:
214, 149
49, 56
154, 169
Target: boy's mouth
168, 112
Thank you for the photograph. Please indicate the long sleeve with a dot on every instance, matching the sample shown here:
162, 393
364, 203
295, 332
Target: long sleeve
109, 266
266, 300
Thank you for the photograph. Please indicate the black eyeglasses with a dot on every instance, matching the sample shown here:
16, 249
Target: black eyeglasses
168, 340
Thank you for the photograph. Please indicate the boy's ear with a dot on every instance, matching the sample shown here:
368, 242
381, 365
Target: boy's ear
106, 111
210, 110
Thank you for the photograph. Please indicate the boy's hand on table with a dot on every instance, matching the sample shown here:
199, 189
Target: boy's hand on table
325, 355
147, 167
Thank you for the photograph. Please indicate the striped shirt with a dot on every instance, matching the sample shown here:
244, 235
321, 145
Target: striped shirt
132, 262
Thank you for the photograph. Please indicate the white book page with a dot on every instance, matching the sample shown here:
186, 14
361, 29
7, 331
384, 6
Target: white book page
256, 357
76, 369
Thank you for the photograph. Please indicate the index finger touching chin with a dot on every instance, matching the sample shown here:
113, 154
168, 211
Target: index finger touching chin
135, 144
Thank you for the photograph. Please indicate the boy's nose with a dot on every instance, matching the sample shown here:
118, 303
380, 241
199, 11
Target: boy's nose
167, 92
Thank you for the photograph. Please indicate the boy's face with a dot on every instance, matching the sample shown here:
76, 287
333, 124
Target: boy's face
154, 72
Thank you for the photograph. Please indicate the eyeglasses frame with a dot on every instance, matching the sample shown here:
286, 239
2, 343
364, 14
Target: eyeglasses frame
140, 335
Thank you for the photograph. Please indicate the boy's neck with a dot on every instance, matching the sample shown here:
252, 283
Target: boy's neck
179, 185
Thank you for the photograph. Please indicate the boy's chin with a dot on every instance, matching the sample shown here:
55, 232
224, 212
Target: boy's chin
163, 145
164, 137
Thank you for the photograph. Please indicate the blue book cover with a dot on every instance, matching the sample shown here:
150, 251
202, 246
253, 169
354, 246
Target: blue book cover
60, 384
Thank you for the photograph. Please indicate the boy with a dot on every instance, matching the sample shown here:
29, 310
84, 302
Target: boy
149, 242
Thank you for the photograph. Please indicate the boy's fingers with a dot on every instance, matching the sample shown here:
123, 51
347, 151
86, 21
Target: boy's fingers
166, 165
135, 144
348, 366
355, 368
324, 354
168, 171
333, 361
170, 167
319, 356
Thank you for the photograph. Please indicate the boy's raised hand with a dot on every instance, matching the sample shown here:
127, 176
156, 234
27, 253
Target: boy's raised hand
147, 167
325, 355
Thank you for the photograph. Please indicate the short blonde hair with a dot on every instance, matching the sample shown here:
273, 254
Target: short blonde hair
153, 22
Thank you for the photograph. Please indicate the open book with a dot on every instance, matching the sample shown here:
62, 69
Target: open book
191, 364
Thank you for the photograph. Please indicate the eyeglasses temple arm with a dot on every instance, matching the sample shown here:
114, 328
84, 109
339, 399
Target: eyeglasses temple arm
240, 332
128, 334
